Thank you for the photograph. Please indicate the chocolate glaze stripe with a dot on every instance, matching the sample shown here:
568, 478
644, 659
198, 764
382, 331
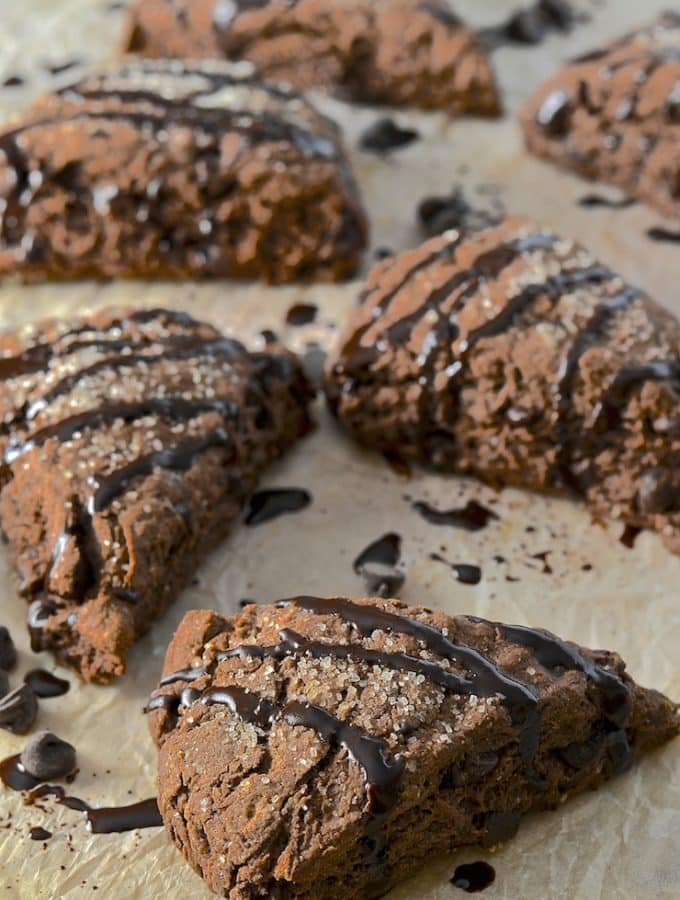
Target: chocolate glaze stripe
295, 645
383, 773
179, 458
488, 679
609, 411
36, 357
551, 652
584, 340
188, 349
176, 408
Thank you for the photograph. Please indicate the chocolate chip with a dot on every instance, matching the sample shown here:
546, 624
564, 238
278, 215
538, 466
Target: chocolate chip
385, 135
47, 756
18, 710
4, 683
8, 652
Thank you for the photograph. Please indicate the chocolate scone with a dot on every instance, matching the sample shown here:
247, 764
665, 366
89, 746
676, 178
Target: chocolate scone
130, 439
614, 115
175, 169
373, 51
515, 356
327, 748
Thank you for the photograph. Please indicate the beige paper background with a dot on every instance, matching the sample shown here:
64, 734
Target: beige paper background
621, 842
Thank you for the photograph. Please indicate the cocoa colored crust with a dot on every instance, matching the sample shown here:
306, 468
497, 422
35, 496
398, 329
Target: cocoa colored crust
131, 440
514, 356
398, 52
614, 115
326, 749
172, 169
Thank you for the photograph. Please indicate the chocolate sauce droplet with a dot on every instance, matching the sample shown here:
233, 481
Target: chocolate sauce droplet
14, 776
472, 517
39, 834
301, 314
270, 504
13, 81
377, 565
45, 684
385, 135
473, 877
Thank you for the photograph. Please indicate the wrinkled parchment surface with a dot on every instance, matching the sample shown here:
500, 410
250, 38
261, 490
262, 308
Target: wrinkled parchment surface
619, 843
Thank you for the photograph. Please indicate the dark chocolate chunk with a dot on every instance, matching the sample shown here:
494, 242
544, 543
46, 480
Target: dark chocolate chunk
8, 652
18, 710
46, 756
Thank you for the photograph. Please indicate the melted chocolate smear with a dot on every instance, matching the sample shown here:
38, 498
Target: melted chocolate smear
473, 877
102, 820
543, 557
663, 235
39, 834
270, 504
45, 684
377, 565
472, 517
590, 201
464, 572
385, 135
441, 213
629, 536
530, 25
13, 81
301, 314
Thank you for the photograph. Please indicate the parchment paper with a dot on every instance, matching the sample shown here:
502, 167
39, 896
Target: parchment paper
621, 842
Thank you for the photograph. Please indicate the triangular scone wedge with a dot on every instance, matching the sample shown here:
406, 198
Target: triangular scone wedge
326, 748
177, 169
614, 115
131, 439
515, 356
397, 52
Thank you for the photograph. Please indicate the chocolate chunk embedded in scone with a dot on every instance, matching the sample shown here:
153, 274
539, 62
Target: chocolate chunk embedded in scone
614, 115
514, 356
131, 440
327, 748
398, 52
177, 169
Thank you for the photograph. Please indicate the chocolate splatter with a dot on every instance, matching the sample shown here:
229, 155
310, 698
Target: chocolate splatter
39, 834
377, 564
466, 573
530, 25
13, 81
663, 235
270, 504
590, 201
473, 877
442, 212
629, 536
8, 652
385, 135
301, 314
472, 517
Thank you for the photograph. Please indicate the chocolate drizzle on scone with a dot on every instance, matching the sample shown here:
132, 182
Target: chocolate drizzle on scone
612, 115
456, 726
177, 168
147, 432
515, 356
